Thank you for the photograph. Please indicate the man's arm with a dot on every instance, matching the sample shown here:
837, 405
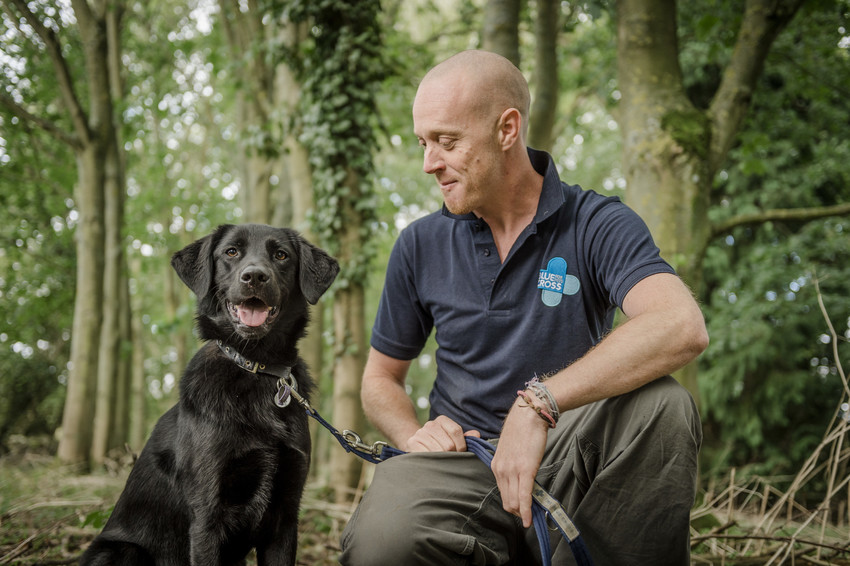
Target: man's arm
665, 331
388, 407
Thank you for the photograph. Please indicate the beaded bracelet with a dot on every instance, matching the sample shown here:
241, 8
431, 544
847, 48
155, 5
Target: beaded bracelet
544, 414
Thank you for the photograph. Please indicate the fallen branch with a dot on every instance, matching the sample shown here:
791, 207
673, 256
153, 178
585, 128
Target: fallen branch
786, 540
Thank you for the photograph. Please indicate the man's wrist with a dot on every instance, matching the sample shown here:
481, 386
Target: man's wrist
528, 399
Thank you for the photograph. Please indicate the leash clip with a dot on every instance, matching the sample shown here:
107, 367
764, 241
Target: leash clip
354, 441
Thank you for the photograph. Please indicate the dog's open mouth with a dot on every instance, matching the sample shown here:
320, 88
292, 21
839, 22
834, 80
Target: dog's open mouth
253, 312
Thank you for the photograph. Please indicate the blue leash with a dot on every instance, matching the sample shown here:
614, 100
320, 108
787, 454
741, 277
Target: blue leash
543, 504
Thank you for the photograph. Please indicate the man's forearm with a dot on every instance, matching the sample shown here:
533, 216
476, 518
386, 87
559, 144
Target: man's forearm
389, 409
653, 343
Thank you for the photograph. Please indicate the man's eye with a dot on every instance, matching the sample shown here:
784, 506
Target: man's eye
231, 252
446, 143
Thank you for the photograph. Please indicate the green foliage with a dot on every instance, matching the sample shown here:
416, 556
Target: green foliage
768, 381
36, 243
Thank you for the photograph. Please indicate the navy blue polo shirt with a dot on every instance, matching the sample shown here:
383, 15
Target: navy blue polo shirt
498, 324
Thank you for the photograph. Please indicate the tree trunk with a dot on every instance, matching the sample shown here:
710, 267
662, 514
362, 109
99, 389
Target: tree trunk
100, 195
544, 105
246, 33
350, 345
299, 180
672, 150
138, 387
501, 29
75, 442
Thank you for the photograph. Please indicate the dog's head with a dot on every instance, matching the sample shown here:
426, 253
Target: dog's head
249, 278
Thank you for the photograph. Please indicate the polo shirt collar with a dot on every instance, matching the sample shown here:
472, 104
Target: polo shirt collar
551, 196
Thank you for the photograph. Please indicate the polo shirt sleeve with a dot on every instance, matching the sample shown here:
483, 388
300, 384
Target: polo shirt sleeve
621, 251
402, 325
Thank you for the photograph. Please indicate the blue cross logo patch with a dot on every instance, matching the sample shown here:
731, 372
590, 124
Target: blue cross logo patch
555, 282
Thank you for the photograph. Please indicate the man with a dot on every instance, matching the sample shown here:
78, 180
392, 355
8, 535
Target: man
520, 275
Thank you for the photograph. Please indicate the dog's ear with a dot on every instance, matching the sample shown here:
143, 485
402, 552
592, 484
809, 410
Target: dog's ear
194, 263
317, 270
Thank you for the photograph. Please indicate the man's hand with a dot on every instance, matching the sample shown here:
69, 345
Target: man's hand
440, 435
517, 459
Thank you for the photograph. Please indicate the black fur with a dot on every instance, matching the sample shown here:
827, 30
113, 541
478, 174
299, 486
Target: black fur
224, 469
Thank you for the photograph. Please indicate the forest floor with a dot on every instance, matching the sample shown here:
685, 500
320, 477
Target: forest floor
49, 513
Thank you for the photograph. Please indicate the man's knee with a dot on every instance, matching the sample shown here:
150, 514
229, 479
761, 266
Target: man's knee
674, 410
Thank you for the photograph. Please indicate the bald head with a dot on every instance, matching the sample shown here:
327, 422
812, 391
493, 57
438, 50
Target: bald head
491, 83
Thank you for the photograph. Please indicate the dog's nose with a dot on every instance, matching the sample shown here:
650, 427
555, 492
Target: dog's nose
254, 275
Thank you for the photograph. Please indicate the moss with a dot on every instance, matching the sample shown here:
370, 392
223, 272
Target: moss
691, 129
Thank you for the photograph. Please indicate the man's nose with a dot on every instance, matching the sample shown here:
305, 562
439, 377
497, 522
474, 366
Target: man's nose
432, 161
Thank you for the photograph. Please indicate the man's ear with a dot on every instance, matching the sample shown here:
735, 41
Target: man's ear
510, 128
317, 270
194, 263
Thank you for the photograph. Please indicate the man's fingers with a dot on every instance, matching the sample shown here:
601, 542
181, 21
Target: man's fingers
524, 496
440, 435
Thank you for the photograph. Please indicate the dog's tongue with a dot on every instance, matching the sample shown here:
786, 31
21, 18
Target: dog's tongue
252, 315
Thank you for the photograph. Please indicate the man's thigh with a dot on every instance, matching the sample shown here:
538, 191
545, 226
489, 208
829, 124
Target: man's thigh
427, 509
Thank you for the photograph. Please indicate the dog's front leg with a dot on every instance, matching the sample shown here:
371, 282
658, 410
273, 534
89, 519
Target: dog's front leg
280, 550
204, 546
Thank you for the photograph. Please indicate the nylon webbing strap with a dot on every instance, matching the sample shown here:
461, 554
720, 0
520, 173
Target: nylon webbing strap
543, 505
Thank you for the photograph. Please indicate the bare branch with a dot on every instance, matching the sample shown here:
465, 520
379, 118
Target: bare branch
763, 21
785, 214
790, 540
39, 122
63, 74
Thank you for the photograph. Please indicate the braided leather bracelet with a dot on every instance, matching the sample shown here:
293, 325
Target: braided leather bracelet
544, 414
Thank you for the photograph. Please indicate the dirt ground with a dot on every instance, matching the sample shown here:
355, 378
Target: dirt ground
49, 513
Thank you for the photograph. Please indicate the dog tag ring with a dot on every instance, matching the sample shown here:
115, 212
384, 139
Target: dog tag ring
283, 397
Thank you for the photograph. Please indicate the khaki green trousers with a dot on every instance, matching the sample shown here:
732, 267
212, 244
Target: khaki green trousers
623, 468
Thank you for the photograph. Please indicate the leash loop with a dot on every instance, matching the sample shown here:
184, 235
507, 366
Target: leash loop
543, 506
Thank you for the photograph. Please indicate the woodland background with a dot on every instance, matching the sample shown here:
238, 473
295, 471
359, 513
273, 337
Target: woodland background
129, 129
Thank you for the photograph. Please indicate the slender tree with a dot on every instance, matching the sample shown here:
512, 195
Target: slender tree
544, 106
251, 43
342, 72
501, 29
98, 195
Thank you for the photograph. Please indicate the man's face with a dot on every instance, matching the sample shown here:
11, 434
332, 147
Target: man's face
460, 146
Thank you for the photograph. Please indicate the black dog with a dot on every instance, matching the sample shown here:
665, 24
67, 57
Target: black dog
224, 469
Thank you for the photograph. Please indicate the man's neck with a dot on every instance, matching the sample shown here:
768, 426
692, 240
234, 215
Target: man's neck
512, 210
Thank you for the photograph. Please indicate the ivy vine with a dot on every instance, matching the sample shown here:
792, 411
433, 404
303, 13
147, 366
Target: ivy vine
341, 71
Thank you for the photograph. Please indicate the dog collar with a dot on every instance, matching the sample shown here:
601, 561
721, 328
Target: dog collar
285, 381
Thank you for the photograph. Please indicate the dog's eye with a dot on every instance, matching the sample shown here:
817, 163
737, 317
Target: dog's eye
231, 252
280, 255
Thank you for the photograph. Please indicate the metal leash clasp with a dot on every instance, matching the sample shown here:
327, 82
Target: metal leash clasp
354, 441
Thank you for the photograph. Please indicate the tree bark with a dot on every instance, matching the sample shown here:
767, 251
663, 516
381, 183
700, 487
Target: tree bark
350, 344
101, 186
99, 171
672, 150
501, 29
299, 182
255, 106
544, 105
